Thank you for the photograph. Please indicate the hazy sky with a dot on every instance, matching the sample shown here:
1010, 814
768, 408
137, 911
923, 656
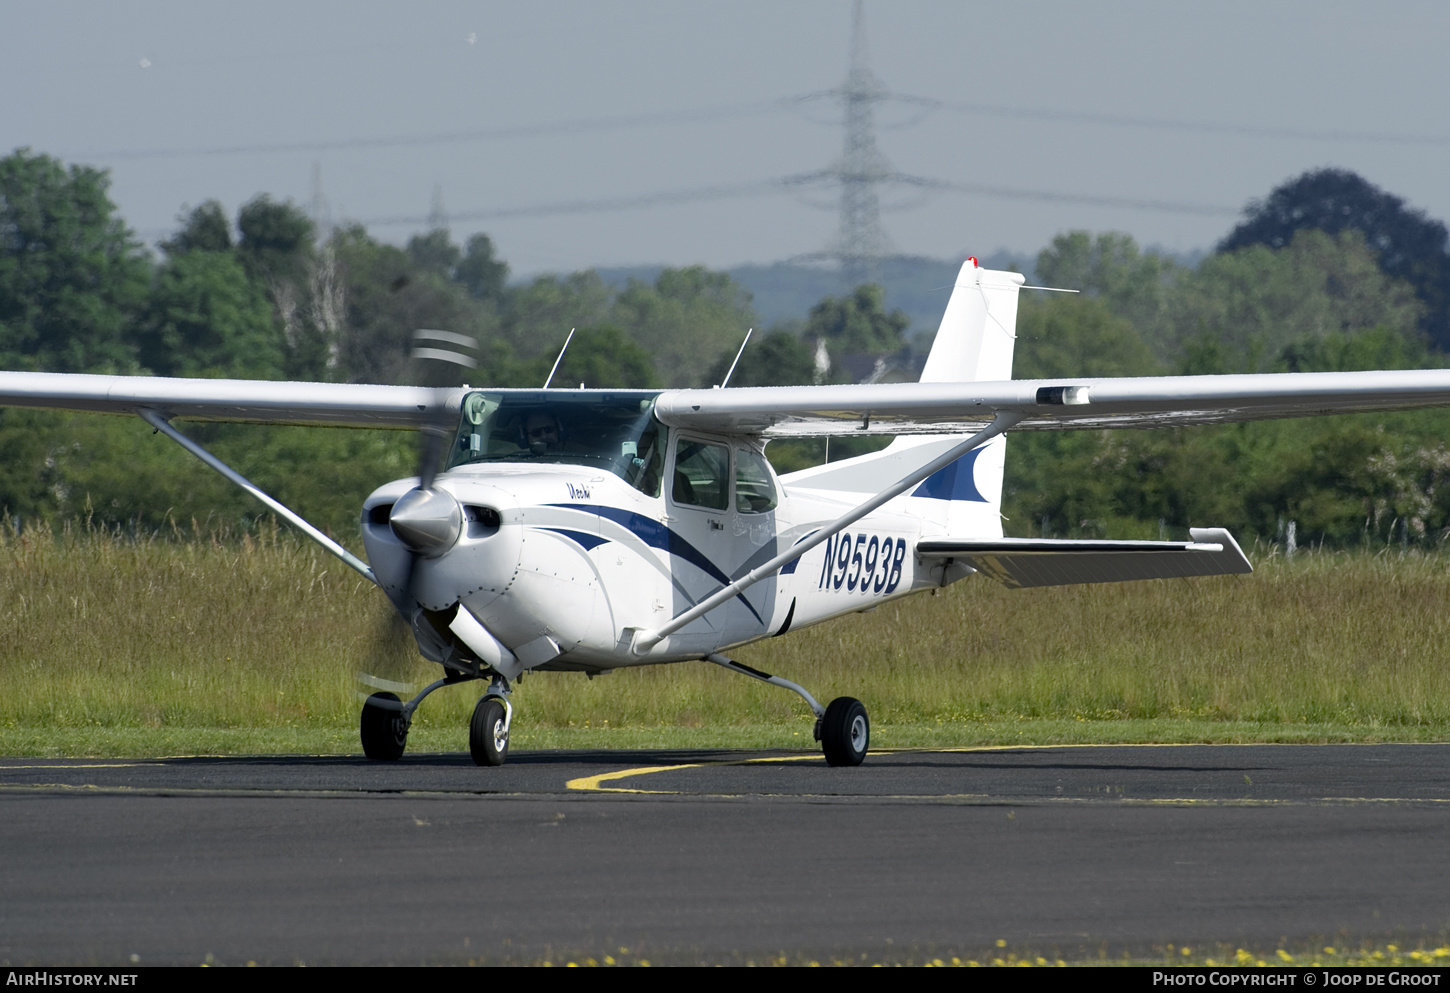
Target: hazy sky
516, 105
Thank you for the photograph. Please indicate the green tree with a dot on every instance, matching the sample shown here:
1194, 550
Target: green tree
1247, 309
780, 358
686, 320
276, 238
603, 356
1072, 336
1319, 303
858, 332
1110, 267
117, 472
277, 249
481, 271
388, 298
434, 252
204, 229
72, 279
28, 439
206, 318
538, 316
1408, 244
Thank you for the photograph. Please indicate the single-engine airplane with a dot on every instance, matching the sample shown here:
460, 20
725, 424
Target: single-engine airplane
592, 529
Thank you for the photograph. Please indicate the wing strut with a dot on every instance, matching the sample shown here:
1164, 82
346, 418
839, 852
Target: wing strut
644, 640
160, 423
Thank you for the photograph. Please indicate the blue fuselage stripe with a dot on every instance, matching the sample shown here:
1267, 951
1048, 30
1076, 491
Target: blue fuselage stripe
656, 535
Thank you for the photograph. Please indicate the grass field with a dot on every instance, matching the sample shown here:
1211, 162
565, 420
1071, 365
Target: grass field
114, 646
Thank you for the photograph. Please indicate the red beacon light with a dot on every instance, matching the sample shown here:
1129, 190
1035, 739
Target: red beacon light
973, 260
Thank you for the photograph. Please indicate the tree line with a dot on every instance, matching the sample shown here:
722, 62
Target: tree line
1325, 273
266, 295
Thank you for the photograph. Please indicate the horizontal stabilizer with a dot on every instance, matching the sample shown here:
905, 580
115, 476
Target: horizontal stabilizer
1023, 562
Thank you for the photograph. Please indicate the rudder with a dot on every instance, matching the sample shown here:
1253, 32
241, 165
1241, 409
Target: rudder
978, 329
974, 343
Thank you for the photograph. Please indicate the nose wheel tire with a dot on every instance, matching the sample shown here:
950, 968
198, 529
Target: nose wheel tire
488, 736
384, 729
845, 732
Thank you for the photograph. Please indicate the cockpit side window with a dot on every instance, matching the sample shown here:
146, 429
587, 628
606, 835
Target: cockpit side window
754, 489
702, 474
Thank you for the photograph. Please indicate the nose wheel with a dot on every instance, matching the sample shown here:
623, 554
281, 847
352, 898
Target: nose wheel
488, 732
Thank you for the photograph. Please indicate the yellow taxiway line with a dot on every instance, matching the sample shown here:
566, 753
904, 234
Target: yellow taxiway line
592, 783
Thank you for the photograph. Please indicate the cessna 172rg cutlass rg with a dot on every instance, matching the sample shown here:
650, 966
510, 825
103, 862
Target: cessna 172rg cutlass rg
589, 530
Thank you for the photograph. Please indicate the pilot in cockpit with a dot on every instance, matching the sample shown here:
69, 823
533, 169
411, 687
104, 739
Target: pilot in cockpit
541, 432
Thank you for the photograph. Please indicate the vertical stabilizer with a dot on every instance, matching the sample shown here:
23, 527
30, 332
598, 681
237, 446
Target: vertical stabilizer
973, 344
978, 330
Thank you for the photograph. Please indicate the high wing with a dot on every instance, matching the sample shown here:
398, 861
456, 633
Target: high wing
783, 411
1047, 404
256, 401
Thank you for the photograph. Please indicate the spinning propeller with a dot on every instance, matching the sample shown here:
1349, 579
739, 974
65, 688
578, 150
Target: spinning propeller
425, 520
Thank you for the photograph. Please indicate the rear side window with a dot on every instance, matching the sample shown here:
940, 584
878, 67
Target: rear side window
702, 474
754, 491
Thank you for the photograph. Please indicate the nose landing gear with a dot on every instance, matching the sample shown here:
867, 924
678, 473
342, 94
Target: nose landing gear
385, 722
488, 732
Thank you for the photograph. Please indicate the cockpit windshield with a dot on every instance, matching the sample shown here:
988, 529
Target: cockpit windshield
616, 432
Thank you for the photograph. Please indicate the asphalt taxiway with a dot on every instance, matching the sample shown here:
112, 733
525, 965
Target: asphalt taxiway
720, 856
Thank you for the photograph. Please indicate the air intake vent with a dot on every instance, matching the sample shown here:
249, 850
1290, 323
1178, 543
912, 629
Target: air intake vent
482, 521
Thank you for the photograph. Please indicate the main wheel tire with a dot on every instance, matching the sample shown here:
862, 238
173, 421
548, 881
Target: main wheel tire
845, 732
488, 736
384, 729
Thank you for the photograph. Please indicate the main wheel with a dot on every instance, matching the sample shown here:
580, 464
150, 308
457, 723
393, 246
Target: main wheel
383, 727
488, 736
845, 732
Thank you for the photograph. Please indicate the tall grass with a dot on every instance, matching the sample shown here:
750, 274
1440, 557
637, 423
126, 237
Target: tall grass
260, 636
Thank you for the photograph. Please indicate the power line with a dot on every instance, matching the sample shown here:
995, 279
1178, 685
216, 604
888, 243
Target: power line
706, 114
1087, 199
602, 205
574, 126
787, 184
1168, 124
763, 187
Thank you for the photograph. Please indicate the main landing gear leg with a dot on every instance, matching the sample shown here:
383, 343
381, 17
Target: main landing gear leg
842, 728
385, 723
488, 732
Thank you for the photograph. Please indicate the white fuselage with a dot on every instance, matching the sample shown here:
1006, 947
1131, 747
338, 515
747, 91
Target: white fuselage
581, 557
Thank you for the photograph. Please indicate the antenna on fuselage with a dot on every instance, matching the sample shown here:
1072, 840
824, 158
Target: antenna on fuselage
560, 358
726, 380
